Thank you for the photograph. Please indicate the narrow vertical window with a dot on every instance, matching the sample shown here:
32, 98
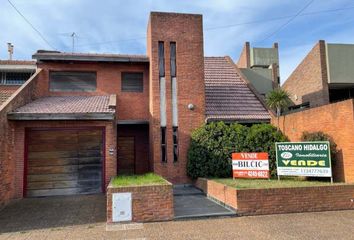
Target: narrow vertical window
173, 58
174, 100
163, 144
161, 59
175, 144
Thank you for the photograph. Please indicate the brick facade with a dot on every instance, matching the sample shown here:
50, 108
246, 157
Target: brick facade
149, 202
7, 138
309, 81
280, 200
336, 120
130, 105
187, 31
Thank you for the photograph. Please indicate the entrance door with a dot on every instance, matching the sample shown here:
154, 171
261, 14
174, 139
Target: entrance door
64, 162
126, 155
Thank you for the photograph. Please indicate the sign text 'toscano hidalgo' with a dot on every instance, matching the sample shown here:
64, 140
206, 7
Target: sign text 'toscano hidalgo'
250, 165
310, 159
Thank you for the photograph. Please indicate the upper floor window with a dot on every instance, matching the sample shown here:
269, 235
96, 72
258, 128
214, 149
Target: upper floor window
14, 78
161, 52
132, 82
72, 81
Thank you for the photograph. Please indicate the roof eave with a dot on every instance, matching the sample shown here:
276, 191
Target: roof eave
60, 116
123, 59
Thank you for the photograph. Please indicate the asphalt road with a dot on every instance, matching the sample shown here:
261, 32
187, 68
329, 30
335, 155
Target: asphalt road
321, 225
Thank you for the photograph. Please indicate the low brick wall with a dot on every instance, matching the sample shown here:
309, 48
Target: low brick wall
149, 202
280, 200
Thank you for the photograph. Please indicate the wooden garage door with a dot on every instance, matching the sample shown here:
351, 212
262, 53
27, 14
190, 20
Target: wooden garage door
64, 162
126, 155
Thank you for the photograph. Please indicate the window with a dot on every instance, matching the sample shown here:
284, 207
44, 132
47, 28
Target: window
72, 81
132, 82
175, 144
173, 58
14, 78
161, 59
163, 145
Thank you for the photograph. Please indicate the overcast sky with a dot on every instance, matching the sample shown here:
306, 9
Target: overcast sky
117, 26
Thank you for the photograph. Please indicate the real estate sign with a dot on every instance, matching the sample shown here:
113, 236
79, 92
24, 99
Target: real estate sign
250, 165
311, 159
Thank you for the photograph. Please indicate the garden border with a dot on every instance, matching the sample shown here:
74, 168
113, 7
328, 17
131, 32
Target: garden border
280, 200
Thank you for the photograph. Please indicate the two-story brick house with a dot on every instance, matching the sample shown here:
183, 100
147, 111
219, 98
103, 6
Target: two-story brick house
84, 118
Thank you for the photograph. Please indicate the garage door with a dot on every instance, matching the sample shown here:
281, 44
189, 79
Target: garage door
64, 162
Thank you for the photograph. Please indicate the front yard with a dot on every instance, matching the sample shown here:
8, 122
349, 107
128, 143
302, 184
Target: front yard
272, 183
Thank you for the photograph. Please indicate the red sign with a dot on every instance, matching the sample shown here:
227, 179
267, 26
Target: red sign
250, 165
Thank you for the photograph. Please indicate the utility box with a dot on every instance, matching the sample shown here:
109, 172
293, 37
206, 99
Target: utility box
121, 207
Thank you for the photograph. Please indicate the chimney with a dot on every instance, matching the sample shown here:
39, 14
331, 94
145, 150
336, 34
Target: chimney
10, 49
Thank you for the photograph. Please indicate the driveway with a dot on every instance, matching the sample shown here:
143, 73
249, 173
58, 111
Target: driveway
52, 212
83, 217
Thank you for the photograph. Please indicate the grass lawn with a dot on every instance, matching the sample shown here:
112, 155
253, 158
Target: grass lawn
134, 180
273, 183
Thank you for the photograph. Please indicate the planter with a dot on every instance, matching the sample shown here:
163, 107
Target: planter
280, 200
148, 202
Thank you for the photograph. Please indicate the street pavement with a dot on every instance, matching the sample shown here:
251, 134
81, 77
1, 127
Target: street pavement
321, 225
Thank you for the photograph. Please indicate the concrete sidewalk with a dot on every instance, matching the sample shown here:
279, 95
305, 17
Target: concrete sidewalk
323, 225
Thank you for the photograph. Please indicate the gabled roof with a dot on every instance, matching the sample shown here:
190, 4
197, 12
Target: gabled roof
42, 55
227, 94
65, 108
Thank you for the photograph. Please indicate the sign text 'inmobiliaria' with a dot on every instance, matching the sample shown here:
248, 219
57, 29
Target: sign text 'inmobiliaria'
250, 165
311, 159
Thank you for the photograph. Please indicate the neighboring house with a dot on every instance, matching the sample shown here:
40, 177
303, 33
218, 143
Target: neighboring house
13, 73
261, 67
84, 118
324, 76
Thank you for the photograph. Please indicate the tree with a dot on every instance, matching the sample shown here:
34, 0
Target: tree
278, 99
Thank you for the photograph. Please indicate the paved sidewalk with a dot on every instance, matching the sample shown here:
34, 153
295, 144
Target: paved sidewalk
324, 225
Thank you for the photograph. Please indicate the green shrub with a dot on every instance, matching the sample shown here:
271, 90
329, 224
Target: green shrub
262, 138
209, 154
321, 136
211, 147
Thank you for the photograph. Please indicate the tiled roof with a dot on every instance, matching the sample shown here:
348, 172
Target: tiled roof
5, 94
68, 104
227, 95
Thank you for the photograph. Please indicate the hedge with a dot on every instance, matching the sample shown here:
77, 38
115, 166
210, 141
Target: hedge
212, 144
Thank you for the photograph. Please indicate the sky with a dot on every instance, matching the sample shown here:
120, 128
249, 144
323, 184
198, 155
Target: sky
119, 26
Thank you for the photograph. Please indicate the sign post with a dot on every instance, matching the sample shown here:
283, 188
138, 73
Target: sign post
309, 159
250, 165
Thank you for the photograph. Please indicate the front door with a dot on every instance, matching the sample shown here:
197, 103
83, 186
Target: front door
126, 155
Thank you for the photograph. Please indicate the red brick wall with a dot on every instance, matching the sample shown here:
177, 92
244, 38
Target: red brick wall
281, 200
141, 134
130, 106
309, 80
337, 120
244, 61
7, 161
186, 30
19, 144
291, 200
6, 91
149, 203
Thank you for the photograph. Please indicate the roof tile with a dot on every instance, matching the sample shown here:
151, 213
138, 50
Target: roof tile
227, 95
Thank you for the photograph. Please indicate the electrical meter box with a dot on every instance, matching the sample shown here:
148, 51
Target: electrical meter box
121, 207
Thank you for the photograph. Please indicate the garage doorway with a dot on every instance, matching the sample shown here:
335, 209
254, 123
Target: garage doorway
63, 161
